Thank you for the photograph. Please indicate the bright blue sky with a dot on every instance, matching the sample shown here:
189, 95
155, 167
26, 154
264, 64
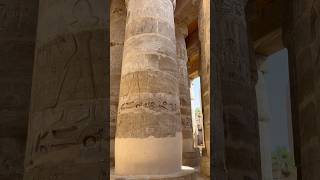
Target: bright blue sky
277, 88
195, 88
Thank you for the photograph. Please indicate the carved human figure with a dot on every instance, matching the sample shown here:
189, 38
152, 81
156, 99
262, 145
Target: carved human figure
78, 74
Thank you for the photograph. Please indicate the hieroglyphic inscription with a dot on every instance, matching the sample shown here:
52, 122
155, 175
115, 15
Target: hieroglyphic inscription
68, 117
72, 127
155, 105
147, 115
143, 125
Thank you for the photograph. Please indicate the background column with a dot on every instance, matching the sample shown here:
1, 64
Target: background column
204, 35
148, 137
264, 120
189, 156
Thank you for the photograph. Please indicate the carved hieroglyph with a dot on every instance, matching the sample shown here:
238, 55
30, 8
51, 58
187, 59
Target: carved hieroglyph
148, 137
67, 126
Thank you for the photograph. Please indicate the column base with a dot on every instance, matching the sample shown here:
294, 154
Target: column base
191, 159
186, 173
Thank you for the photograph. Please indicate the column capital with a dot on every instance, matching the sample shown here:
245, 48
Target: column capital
172, 1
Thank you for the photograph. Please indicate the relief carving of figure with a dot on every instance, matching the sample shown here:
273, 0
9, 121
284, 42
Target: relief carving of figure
78, 74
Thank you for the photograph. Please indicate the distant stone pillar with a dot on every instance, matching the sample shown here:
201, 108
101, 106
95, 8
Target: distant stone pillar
264, 119
189, 155
117, 33
148, 137
67, 136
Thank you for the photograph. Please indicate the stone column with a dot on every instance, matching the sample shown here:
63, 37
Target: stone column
18, 24
148, 137
117, 33
264, 119
189, 156
204, 35
239, 104
67, 131
302, 38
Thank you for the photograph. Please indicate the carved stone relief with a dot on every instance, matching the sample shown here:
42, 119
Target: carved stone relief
67, 126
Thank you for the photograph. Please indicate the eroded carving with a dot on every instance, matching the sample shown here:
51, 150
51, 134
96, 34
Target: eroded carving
143, 125
83, 13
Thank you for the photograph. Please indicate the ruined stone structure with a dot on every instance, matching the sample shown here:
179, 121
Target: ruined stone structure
59, 118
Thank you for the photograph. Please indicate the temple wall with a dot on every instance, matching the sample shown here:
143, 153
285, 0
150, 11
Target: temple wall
17, 39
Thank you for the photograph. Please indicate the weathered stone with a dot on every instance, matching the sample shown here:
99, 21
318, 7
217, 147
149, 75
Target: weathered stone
185, 100
117, 35
67, 127
241, 130
302, 40
204, 37
17, 41
148, 138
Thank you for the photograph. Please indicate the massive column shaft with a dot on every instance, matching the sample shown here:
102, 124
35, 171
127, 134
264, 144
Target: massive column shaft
189, 156
117, 33
18, 24
302, 38
67, 130
148, 136
239, 106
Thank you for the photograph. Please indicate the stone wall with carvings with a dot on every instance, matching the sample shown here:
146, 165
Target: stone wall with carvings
17, 38
302, 38
67, 134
